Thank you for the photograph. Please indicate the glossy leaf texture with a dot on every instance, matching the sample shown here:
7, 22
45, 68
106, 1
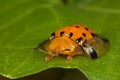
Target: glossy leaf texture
26, 23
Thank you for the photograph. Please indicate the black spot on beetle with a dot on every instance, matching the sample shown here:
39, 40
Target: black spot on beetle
79, 39
84, 34
93, 34
77, 26
52, 35
86, 29
61, 33
71, 34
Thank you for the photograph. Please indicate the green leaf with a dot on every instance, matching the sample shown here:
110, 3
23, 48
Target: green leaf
26, 23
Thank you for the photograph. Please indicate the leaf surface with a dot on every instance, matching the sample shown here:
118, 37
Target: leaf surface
26, 23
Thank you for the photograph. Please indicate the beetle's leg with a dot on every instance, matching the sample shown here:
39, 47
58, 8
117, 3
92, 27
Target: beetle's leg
52, 55
49, 57
69, 57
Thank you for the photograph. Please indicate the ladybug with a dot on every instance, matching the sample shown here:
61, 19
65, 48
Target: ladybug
74, 40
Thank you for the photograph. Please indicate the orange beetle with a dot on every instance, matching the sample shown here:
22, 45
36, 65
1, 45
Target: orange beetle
74, 40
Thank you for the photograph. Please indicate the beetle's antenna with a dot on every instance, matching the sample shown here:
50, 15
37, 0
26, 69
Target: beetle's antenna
82, 49
35, 48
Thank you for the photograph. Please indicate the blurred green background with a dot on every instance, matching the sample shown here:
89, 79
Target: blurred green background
26, 23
